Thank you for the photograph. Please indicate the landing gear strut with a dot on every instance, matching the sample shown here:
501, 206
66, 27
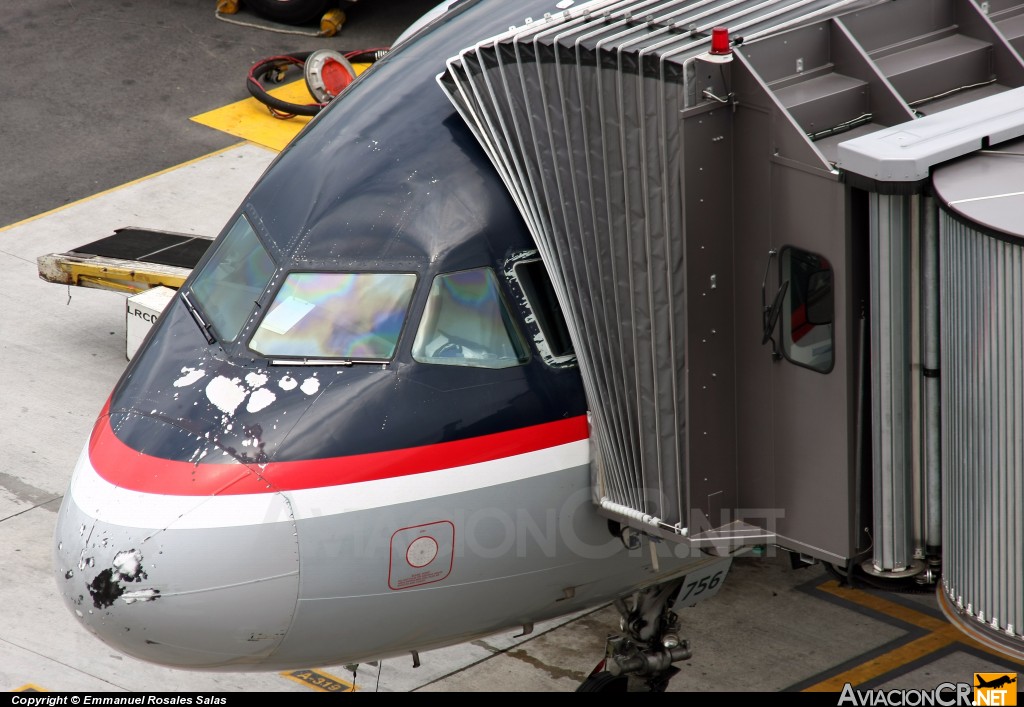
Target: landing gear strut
643, 658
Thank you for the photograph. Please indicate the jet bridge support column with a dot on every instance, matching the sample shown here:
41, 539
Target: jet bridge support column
890, 382
965, 164
930, 363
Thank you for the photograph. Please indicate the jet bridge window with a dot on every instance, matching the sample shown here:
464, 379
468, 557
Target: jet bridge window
234, 277
349, 316
466, 323
807, 310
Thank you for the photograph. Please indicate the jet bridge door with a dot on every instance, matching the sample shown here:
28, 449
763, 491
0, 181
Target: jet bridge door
799, 234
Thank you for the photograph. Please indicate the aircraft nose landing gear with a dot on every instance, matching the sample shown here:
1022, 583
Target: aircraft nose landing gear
643, 659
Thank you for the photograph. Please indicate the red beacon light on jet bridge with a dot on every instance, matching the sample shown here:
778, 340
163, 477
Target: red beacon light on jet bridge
720, 42
721, 47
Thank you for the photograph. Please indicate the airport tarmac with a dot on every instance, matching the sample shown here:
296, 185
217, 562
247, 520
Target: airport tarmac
771, 628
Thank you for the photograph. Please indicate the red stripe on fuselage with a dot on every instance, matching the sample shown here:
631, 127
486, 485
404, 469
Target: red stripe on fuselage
127, 468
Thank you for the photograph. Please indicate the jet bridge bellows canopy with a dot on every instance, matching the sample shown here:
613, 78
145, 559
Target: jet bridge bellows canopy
580, 113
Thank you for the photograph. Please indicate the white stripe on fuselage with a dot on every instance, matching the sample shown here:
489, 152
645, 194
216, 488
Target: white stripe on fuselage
100, 499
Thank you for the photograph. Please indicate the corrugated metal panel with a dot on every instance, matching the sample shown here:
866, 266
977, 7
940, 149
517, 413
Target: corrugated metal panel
982, 336
890, 380
579, 112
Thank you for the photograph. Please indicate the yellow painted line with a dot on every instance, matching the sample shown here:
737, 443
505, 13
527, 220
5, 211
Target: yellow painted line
887, 662
883, 606
320, 681
248, 119
940, 634
29, 688
97, 195
251, 120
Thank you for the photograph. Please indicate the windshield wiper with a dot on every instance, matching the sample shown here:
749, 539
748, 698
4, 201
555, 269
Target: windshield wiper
206, 328
325, 362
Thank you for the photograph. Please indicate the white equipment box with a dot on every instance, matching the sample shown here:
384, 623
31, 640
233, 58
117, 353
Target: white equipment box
142, 312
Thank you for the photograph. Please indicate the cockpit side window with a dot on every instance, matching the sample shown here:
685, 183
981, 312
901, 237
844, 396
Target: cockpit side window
334, 315
545, 320
232, 280
466, 323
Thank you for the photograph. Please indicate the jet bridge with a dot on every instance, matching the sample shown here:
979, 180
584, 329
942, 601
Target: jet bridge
795, 303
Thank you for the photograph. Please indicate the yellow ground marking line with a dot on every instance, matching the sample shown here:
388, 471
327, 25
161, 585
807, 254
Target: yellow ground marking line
884, 606
119, 187
251, 120
907, 653
940, 634
248, 119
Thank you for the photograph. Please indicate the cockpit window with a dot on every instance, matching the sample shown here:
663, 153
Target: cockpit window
466, 323
227, 287
351, 316
552, 332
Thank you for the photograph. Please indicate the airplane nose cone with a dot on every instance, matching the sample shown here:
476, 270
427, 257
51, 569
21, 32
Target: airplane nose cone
188, 582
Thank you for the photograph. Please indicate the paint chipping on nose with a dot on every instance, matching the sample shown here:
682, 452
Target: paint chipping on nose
140, 595
129, 564
260, 399
107, 587
191, 375
226, 394
256, 380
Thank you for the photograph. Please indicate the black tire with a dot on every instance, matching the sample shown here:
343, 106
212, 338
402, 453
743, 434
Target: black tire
604, 682
291, 12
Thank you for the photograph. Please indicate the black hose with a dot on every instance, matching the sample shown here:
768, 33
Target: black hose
366, 56
279, 63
